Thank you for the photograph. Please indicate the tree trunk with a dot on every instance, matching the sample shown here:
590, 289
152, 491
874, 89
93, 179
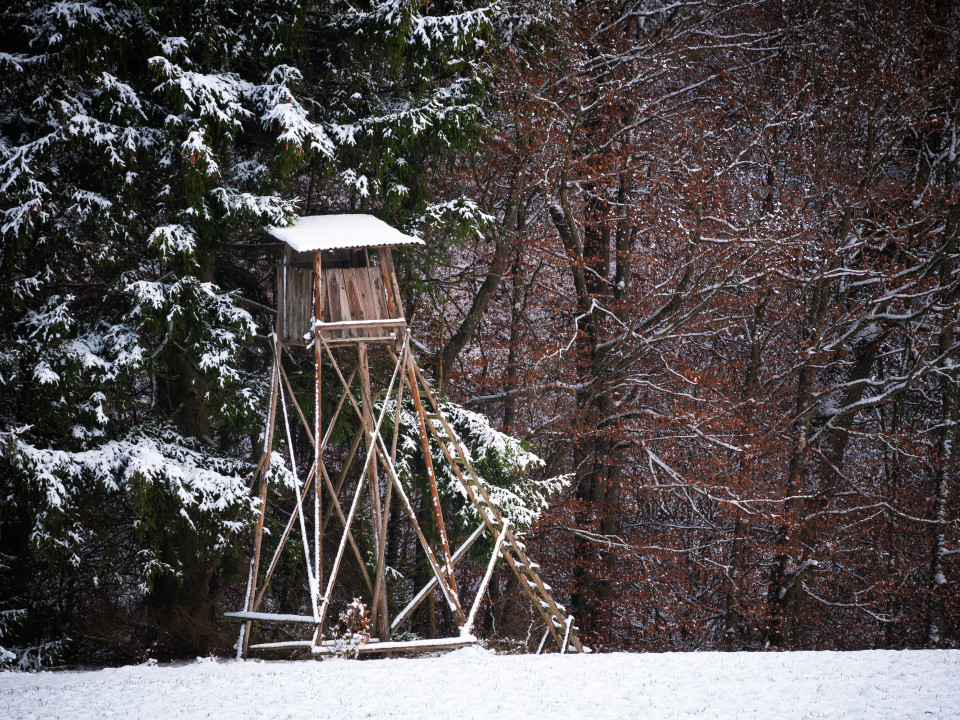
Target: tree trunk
445, 358
945, 474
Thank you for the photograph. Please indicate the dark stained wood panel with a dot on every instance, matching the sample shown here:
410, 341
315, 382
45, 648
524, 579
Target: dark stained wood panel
346, 312
331, 292
298, 304
368, 305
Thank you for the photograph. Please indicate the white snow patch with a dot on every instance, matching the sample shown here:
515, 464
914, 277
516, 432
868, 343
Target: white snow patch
472, 684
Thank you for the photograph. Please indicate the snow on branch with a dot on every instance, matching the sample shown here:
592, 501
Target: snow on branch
201, 481
502, 461
215, 97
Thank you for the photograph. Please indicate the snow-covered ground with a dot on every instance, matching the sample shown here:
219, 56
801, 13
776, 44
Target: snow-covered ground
471, 683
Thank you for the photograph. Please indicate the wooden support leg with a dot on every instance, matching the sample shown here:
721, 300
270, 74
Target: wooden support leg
431, 476
317, 415
258, 532
405, 614
311, 575
379, 617
280, 545
380, 583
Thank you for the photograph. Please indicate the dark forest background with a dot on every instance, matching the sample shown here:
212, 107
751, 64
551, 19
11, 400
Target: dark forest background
701, 256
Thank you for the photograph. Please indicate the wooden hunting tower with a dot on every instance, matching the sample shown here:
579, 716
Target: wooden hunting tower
337, 293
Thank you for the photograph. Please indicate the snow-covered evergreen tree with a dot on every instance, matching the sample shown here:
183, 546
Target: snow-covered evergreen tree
142, 148
508, 470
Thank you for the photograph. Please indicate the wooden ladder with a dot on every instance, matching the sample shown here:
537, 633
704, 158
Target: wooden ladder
559, 623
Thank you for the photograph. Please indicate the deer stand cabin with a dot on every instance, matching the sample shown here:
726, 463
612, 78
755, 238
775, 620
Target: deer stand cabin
338, 298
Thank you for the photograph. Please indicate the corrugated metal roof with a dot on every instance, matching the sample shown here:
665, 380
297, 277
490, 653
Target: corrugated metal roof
332, 232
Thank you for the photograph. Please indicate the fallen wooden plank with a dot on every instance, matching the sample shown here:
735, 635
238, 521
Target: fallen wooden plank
288, 645
404, 646
329, 647
271, 617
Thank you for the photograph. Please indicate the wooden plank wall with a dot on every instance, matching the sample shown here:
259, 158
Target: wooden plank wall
354, 294
298, 304
348, 294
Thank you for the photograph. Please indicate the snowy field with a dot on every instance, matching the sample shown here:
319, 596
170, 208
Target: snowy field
471, 683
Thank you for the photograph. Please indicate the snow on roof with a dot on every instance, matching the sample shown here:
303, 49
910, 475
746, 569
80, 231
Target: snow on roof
330, 232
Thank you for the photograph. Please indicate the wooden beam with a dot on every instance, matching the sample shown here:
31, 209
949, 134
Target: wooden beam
271, 617
336, 414
416, 646
317, 415
431, 477
468, 628
258, 532
360, 324
303, 419
386, 257
381, 580
372, 340
311, 569
353, 544
407, 611
378, 615
452, 600
358, 436
388, 283
283, 541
